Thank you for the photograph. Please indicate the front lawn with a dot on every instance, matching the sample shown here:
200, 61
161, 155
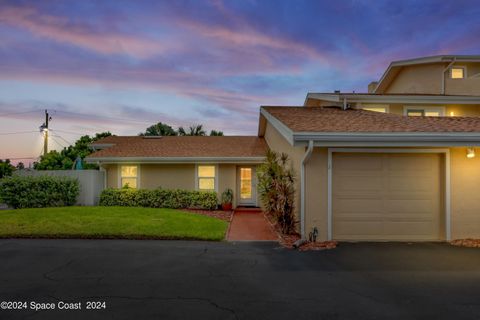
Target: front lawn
109, 222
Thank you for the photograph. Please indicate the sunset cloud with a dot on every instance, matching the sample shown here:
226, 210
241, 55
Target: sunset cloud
184, 62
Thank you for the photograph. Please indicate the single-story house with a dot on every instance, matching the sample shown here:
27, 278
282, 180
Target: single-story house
183, 162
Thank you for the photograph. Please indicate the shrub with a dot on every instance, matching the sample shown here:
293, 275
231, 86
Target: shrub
159, 198
39, 191
277, 191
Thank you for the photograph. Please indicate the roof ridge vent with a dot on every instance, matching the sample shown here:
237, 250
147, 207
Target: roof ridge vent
152, 137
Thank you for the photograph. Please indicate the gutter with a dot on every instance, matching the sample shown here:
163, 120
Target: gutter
306, 156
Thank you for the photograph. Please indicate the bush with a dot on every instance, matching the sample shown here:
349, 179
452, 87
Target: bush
39, 191
159, 198
277, 190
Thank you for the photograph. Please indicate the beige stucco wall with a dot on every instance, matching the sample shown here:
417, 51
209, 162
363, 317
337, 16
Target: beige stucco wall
465, 183
227, 178
316, 174
425, 79
178, 176
167, 176
277, 143
112, 175
428, 79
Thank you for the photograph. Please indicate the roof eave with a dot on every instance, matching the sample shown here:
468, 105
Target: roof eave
394, 139
167, 160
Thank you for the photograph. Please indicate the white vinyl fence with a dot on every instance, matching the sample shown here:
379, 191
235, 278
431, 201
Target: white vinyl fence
91, 182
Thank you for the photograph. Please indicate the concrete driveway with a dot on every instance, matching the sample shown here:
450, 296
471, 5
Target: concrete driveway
200, 280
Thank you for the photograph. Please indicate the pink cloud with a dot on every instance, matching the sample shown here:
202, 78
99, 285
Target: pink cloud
62, 30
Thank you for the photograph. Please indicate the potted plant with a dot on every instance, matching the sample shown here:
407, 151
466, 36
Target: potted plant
227, 199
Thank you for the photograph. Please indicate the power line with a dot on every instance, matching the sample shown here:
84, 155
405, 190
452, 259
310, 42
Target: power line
68, 132
61, 145
105, 117
15, 113
18, 132
59, 136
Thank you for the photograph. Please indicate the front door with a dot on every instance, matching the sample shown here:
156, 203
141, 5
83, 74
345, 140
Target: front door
247, 187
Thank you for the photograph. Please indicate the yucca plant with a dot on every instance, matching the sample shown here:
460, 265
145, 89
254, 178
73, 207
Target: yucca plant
277, 190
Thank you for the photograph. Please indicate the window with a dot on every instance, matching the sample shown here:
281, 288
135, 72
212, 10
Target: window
457, 73
206, 176
424, 111
375, 107
129, 176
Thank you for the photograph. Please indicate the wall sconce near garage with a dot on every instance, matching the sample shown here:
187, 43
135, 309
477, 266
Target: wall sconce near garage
470, 153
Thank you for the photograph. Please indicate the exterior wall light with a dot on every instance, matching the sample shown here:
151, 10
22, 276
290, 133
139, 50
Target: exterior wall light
470, 153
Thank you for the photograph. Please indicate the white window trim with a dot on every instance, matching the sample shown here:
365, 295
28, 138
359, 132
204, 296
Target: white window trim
440, 109
376, 105
447, 201
119, 174
196, 175
459, 67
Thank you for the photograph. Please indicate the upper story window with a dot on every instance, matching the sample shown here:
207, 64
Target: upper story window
457, 72
424, 111
206, 177
129, 176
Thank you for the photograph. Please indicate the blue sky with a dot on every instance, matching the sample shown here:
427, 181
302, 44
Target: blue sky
122, 65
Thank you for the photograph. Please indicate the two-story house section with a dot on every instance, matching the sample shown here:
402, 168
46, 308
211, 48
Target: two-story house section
447, 85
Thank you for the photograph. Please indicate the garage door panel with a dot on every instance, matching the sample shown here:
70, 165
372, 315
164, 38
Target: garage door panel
358, 183
397, 198
358, 206
410, 183
363, 162
411, 206
345, 230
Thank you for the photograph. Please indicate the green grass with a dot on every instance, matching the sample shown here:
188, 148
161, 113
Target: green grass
109, 222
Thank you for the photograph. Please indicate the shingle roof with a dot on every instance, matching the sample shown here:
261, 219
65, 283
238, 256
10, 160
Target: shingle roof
181, 147
325, 119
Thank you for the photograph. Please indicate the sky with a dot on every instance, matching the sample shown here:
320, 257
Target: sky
121, 66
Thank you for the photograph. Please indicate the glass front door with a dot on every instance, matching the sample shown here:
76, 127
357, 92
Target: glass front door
246, 188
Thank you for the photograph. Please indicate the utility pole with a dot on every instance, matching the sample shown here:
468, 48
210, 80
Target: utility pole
44, 129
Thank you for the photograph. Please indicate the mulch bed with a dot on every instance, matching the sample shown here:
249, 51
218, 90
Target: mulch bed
288, 240
470, 243
219, 214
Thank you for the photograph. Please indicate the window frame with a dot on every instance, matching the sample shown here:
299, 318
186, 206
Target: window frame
464, 68
119, 171
215, 178
440, 109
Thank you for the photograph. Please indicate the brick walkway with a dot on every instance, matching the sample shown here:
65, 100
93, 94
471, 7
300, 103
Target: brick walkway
250, 225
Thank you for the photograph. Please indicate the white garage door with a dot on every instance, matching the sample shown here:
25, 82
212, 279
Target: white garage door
387, 197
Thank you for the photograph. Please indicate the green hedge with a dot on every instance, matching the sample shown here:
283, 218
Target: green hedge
39, 191
159, 198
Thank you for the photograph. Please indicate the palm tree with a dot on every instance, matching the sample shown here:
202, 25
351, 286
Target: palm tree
194, 130
216, 133
159, 129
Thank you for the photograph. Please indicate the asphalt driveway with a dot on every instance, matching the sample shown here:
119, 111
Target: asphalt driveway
200, 280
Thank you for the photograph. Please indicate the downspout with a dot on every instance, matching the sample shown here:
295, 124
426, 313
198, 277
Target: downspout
102, 169
443, 74
306, 156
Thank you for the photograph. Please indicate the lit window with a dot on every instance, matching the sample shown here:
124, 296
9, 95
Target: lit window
376, 109
457, 73
206, 178
129, 176
424, 111
415, 113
